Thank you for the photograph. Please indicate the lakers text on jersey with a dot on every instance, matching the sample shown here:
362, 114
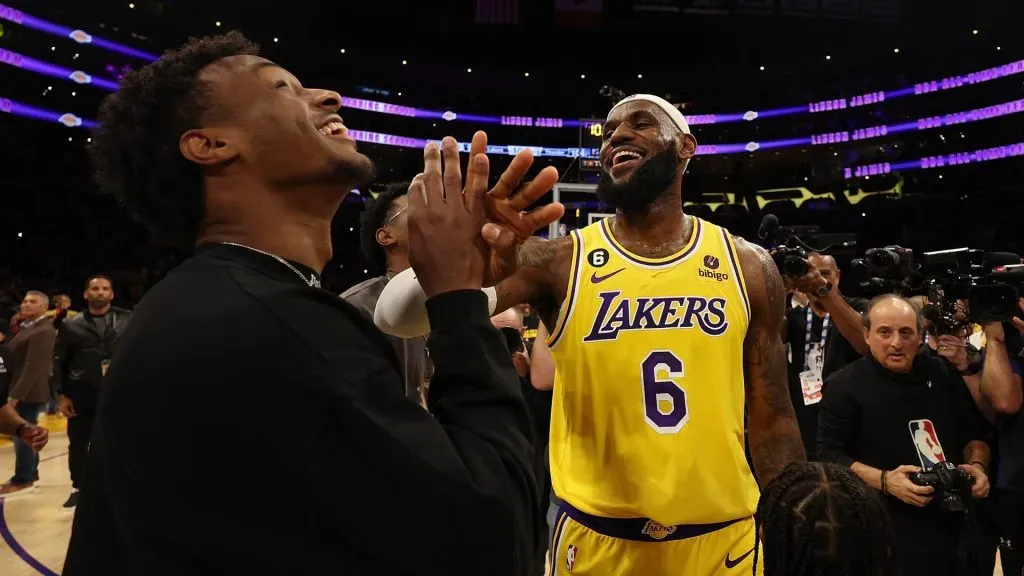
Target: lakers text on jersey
647, 419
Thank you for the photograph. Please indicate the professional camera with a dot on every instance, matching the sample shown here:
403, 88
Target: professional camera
790, 260
884, 270
952, 485
788, 245
990, 283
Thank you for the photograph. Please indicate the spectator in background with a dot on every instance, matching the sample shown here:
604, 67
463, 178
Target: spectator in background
806, 333
85, 346
31, 356
542, 379
530, 323
510, 323
10, 422
62, 302
819, 519
384, 240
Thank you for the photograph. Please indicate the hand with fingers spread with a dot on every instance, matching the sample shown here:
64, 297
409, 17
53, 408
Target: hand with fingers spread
446, 249
509, 223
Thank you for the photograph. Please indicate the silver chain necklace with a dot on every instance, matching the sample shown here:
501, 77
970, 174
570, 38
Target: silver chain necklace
312, 281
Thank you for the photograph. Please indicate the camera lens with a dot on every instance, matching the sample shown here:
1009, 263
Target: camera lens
794, 266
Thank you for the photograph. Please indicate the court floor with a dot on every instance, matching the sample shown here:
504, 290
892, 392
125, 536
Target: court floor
35, 529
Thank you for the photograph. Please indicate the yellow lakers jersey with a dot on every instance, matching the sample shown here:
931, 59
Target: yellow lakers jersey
647, 416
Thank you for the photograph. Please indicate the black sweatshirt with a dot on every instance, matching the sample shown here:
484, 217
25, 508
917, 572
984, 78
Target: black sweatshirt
883, 419
249, 424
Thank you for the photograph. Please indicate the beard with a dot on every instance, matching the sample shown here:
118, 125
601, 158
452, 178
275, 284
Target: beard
645, 185
98, 302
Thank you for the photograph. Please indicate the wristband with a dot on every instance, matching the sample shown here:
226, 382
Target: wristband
885, 477
17, 431
983, 468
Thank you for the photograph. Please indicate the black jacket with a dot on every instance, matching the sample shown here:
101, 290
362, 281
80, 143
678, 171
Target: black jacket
83, 343
171, 491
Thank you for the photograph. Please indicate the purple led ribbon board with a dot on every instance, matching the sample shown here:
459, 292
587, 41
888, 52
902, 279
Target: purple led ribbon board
834, 104
930, 162
949, 83
1013, 107
82, 37
47, 69
67, 119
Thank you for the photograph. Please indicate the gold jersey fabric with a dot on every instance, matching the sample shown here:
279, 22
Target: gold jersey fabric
647, 418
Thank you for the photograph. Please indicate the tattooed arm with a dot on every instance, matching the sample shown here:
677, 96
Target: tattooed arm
540, 278
772, 428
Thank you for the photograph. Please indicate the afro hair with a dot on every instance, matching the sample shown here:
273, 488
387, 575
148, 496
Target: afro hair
135, 148
376, 213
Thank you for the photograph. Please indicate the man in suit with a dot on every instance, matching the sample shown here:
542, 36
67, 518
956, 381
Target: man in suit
10, 423
32, 354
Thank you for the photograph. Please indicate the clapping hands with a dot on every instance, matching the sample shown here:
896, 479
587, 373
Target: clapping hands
462, 236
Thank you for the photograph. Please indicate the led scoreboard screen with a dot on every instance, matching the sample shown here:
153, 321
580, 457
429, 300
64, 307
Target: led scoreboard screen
591, 132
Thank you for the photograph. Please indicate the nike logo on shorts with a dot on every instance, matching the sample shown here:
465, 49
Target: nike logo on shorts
730, 563
598, 279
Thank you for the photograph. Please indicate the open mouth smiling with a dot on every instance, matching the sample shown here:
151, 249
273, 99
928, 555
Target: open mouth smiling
334, 128
625, 158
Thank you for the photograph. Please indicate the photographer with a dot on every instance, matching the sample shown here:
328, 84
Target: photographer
893, 415
843, 341
994, 379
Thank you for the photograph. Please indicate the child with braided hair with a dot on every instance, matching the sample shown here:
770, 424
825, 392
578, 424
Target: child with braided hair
817, 519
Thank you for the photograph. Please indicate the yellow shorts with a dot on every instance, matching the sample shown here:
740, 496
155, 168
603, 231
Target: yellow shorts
586, 544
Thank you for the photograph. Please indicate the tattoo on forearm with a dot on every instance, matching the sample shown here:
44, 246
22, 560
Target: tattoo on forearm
774, 434
536, 253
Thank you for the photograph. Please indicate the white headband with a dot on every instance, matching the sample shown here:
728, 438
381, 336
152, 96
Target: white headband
672, 111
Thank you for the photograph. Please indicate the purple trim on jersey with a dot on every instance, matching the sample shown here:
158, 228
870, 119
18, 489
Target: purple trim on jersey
574, 279
694, 241
637, 529
734, 261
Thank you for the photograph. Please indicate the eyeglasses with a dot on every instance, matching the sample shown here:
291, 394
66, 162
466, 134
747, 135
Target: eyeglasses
395, 215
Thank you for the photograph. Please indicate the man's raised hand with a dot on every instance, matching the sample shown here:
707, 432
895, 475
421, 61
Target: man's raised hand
446, 249
509, 222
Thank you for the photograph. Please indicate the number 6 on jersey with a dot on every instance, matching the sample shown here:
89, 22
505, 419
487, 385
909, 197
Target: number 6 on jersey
659, 393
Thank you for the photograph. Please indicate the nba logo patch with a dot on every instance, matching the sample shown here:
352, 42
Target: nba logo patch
926, 441
570, 557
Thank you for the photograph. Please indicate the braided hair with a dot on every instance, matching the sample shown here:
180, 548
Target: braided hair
819, 520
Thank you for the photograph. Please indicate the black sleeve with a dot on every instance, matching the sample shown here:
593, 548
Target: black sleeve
61, 361
474, 503
837, 423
